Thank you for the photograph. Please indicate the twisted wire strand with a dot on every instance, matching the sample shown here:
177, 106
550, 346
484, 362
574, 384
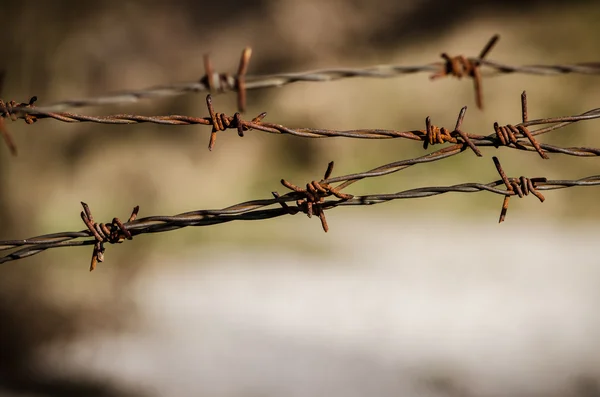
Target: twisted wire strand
316, 193
517, 136
491, 187
324, 75
458, 66
541, 70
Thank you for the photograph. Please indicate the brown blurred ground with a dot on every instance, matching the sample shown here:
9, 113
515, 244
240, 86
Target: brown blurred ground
70, 49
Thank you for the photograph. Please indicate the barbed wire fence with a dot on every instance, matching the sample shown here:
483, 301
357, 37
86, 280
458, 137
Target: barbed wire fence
213, 82
319, 195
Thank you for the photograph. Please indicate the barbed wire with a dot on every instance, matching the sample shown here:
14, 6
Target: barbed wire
517, 136
457, 66
311, 200
317, 196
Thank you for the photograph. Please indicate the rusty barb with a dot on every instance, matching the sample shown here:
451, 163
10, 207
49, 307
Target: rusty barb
460, 66
507, 135
313, 197
517, 136
222, 122
11, 110
215, 83
521, 186
310, 201
114, 233
7, 110
223, 82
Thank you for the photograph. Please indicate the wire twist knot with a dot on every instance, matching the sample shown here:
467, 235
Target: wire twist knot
223, 82
313, 197
222, 122
435, 135
507, 135
521, 187
114, 233
10, 110
460, 66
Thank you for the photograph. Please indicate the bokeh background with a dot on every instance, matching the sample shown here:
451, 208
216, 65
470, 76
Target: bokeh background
426, 297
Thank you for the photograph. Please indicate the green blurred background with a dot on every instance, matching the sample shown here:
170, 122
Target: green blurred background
70, 49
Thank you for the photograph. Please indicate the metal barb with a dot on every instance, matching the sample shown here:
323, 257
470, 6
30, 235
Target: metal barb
11, 110
114, 233
524, 113
221, 122
241, 78
460, 66
223, 82
521, 186
313, 196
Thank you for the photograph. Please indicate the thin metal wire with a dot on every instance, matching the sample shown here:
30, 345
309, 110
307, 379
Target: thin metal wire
317, 196
542, 70
214, 83
515, 136
309, 201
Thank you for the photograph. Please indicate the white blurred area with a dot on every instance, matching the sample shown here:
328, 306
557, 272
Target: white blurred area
392, 307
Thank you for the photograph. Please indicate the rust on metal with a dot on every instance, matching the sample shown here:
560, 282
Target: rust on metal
241, 78
310, 200
313, 196
521, 186
223, 82
222, 122
507, 136
9, 110
435, 134
114, 233
461, 66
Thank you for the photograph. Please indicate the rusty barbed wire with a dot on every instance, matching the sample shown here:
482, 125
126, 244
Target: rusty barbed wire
317, 196
517, 136
310, 201
457, 66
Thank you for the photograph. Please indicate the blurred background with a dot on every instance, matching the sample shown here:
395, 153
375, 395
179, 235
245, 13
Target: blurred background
427, 297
